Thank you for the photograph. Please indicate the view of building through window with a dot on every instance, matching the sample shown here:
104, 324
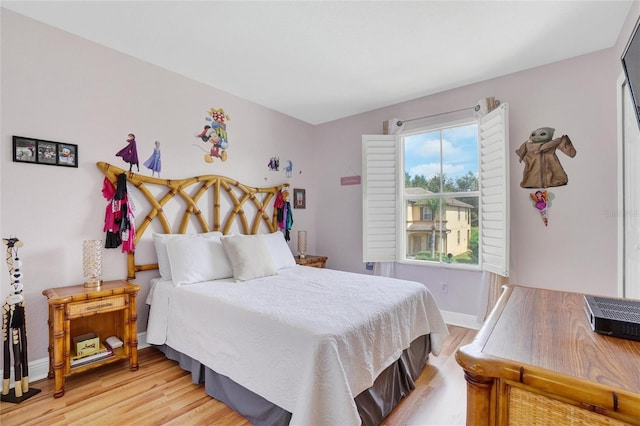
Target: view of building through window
441, 195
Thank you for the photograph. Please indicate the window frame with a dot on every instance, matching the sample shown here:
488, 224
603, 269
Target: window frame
436, 125
380, 215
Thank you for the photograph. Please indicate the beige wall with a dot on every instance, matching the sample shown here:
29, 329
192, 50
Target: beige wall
578, 250
59, 87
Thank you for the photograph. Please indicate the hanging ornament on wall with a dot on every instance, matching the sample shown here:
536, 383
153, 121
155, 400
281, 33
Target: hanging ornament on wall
542, 201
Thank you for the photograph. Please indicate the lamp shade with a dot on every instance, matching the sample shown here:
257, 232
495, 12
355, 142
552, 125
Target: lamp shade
302, 244
92, 262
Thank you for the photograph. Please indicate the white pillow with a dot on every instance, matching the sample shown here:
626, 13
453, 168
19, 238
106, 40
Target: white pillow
194, 260
249, 256
160, 244
279, 250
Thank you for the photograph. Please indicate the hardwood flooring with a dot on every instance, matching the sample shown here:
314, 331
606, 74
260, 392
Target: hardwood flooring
161, 393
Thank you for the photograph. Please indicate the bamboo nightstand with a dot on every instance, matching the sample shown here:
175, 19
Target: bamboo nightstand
312, 260
109, 310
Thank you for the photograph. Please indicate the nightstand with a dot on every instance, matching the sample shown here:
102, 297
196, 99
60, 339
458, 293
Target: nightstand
108, 310
312, 260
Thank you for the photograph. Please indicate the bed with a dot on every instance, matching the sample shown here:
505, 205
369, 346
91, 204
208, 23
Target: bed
278, 342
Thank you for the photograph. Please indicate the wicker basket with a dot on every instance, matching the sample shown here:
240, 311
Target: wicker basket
530, 409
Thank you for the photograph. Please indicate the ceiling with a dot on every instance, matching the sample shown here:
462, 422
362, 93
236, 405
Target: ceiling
323, 60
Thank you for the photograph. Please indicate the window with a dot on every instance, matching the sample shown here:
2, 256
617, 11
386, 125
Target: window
415, 183
440, 176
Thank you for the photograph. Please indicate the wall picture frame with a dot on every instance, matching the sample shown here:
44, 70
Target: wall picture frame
299, 198
24, 150
67, 155
40, 151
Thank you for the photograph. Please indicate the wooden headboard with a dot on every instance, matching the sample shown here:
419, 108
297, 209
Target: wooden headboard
203, 203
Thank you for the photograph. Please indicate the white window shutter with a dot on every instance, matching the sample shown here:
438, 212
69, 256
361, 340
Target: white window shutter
379, 197
494, 190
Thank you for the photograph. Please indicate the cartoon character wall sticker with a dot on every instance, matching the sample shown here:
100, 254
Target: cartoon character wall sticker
288, 170
130, 152
274, 166
540, 199
274, 163
154, 163
130, 155
215, 133
542, 168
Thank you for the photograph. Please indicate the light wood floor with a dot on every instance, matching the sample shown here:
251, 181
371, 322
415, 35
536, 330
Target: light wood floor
161, 393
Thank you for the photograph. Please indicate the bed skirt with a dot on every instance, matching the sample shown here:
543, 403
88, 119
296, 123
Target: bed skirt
374, 404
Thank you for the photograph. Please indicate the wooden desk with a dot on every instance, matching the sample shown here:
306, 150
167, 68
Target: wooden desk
536, 361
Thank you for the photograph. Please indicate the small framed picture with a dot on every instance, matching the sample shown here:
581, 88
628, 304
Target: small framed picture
47, 152
39, 151
24, 150
67, 155
299, 199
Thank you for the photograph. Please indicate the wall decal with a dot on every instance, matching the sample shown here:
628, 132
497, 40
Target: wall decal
542, 168
540, 201
215, 133
274, 164
130, 152
288, 169
154, 163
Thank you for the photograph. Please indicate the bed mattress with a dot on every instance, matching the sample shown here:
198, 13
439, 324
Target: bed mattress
308, 339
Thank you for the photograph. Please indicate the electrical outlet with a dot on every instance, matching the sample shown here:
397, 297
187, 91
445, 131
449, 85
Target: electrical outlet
444, 286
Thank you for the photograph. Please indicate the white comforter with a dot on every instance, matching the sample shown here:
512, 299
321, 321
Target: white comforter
307, 339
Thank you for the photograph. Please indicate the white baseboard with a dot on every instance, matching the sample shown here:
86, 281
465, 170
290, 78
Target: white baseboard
461, 320
39, 368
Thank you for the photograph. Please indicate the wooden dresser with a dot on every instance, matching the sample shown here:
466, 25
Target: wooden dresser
536, 361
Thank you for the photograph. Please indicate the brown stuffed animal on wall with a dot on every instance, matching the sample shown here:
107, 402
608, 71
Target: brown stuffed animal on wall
542, 168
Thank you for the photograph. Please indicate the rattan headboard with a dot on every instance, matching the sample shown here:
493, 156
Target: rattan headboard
245, 207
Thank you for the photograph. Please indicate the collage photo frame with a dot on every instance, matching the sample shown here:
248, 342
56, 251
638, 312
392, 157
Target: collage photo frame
39, 151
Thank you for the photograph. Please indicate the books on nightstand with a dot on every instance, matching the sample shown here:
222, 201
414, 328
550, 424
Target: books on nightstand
80, 360
106, 351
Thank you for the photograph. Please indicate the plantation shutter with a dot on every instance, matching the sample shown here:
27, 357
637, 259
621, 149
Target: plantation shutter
494, 190
379, 197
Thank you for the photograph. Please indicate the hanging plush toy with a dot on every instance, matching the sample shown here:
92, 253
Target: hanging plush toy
283, 210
